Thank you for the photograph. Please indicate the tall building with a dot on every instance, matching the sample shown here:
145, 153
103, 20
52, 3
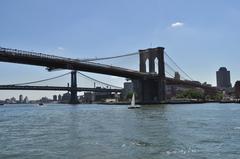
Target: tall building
20, 98
26, 101
128, 88
177, 76
59, 97
223, 78
54, 97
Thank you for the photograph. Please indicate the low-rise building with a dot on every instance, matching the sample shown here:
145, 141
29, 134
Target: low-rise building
127, 89
237, 89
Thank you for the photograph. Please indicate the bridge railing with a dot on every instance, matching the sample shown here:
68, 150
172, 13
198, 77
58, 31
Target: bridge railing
42, 55
30, 53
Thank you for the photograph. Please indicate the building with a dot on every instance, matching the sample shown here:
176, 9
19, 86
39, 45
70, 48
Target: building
66, 97
177, 76
13, 100
20, 98
54, 97
127, 88
206, 84
102, 96
237, 89
59, 98
173, 90
44, 100
26, 101
223, 78
88, 97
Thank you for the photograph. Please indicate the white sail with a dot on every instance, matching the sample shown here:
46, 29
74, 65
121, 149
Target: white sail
133, 100
133, 106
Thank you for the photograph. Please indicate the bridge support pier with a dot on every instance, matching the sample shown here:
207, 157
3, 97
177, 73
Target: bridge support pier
151, 91
74, 97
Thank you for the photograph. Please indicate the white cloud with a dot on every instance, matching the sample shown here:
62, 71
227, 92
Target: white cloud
60, 48
177, 24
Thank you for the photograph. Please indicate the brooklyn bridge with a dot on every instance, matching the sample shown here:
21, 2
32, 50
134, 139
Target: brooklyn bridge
149, 82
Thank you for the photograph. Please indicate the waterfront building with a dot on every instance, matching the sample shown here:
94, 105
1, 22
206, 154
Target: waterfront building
54, 97
13, 100
44, 100
223, 78
59, 98
173, 90
26, 101
237, 89
177, 76
196, 82
7, 101
101, 96
127, 88
88, 97
206, 84
66, 97
20, 98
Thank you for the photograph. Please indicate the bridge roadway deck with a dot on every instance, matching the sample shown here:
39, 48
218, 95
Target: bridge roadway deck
54, 88
51, 61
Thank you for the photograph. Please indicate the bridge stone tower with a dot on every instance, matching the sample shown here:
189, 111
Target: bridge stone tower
74, 97
151, 90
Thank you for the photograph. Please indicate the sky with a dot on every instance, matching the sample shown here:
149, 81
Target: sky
200, 36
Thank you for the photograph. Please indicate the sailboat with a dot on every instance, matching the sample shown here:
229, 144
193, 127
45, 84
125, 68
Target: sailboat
133, 105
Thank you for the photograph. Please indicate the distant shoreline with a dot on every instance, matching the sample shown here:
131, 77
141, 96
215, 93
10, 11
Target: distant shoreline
128, 103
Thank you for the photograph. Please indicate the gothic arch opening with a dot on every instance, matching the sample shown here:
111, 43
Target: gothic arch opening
147, 65
156, 61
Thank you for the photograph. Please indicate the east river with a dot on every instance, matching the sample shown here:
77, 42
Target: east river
198, 131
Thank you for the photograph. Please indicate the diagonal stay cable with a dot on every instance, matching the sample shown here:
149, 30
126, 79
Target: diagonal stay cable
108, 58
170, 67
88, 77
178, 66
169, 74
38, 81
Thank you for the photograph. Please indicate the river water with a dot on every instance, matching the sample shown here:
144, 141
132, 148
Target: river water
196, 131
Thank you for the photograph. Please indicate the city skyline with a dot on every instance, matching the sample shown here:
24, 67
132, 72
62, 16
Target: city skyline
205, 39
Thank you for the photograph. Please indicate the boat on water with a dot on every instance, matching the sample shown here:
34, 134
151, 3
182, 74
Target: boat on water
133, 105
1, 104
40, 104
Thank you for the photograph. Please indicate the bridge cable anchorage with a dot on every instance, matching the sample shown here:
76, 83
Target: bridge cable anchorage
43, 80
95, 80
108, 58
178, 66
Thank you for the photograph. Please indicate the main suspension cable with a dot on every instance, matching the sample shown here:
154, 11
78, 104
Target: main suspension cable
43, 80
108, 58
95, 80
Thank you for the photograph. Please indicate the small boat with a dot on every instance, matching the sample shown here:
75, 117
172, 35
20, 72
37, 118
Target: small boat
40, 104
133, 105
1, 104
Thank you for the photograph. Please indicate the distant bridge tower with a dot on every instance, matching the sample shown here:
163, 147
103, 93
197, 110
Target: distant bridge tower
151, 90
74, 97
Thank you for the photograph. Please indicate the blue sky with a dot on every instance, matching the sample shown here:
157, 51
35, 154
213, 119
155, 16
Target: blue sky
200, 35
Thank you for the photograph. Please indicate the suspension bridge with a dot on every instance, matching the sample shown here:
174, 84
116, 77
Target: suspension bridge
149, 82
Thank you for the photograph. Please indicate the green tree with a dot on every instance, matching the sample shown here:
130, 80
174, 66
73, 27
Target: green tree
129, 95
191, 94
